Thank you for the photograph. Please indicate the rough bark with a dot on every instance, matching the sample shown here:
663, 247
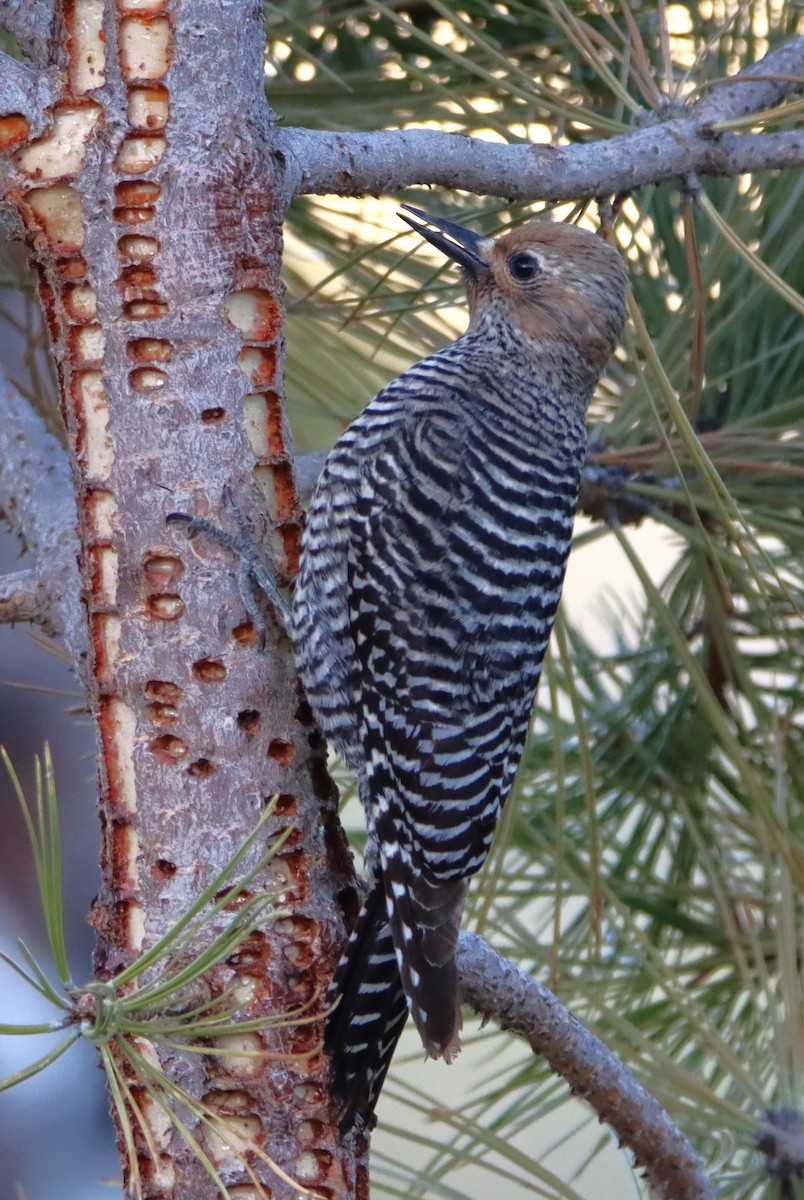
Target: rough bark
152, 203
37, 499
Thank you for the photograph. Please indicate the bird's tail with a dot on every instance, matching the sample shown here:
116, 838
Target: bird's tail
425, 920
363, 1029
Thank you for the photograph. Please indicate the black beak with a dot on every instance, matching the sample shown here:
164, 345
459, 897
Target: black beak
463, 249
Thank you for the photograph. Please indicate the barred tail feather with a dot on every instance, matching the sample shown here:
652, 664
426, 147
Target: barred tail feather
425, 921
363, 1029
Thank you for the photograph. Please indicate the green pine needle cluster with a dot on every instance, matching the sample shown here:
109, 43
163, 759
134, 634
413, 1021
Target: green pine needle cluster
159, 1000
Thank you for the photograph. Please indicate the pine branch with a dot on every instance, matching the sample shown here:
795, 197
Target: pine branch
665, 147
762, 85
23, 90
38, 502
498, 990
353, 164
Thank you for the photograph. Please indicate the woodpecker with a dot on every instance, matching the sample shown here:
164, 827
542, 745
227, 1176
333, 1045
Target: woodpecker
431, 569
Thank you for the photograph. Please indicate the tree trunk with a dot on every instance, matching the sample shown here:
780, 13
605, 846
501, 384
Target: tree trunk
154, 206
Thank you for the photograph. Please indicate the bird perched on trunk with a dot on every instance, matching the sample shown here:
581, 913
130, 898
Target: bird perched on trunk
431, 570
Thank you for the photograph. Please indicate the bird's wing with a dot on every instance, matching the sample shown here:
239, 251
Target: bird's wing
439, 688
441, 699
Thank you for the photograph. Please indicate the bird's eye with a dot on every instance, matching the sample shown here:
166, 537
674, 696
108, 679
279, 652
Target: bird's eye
524, 265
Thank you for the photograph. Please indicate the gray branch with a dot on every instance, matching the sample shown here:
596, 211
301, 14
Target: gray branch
497, 989
37, 501
24, 90
352, 164
745, 93
680, 144
31, 22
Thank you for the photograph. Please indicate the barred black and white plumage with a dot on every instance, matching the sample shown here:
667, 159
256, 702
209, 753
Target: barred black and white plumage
431, 571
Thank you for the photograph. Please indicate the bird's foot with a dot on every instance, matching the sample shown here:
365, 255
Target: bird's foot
255, 575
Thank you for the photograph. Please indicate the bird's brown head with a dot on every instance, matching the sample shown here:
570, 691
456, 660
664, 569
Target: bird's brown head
555, 282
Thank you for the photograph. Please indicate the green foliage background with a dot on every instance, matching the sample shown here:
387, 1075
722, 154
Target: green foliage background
651, 864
